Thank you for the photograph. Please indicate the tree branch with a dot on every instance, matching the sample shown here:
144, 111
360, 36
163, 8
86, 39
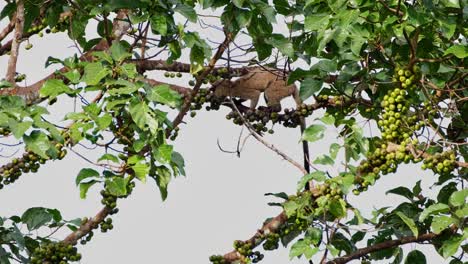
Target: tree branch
269, 227
7, 29
19, 25
185, 107
266, 144
31, 93
385, 245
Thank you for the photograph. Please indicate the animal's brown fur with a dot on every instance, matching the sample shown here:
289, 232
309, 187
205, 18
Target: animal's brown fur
251, 85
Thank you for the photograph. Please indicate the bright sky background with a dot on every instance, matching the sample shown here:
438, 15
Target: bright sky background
221, 199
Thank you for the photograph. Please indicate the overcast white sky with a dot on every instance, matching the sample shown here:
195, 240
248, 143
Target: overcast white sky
221, 199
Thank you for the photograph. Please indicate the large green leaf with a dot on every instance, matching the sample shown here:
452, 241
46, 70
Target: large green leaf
117, 186
38, 142
143, 116
85, 173
302, 247
165, 95
282, 44
119, 52
159, 24
415, 257
316, 21
36, 217
409, 222
460, 51
53, 88
439, 223
433, 209
94, 72
309, 87
458, 198
314, 133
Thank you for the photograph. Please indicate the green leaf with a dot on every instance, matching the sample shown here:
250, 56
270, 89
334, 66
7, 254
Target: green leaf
316, 22
139, 167
403, 191
163, 177
73, 76
415, 257
187, 12
243, 18
164, 153
409, 222
117, 186
316, 175
314, 133
165, 95
159, 24
143, 116
53, 88
439, 223
458, 198
19, 128
5, 84
334, 148
119, 52
38, 143
36, 217
282, 44
433, 209
302, 247
104, 121
109, 157
238, 3
324, 160
178, 161
94, 73
460, 51
309, 87
337, 208
451, 3
85, 174
84, 187
450, 246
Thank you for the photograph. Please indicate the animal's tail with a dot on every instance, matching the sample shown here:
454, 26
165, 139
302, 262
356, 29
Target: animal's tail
295, 94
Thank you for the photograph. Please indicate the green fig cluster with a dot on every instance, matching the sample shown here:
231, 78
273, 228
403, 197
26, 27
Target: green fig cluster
55, 253
37, 28
397, 122
87, 238
331, 191
20, 77
172, 74
110, 200
29, 162
218, 259
271, 241
382, 161
107, 225
248, 255
441, 163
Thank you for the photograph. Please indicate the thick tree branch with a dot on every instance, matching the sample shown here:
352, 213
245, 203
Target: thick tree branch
31, 93
19, 26
87, 227
269, 227
9, 28
385, 245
